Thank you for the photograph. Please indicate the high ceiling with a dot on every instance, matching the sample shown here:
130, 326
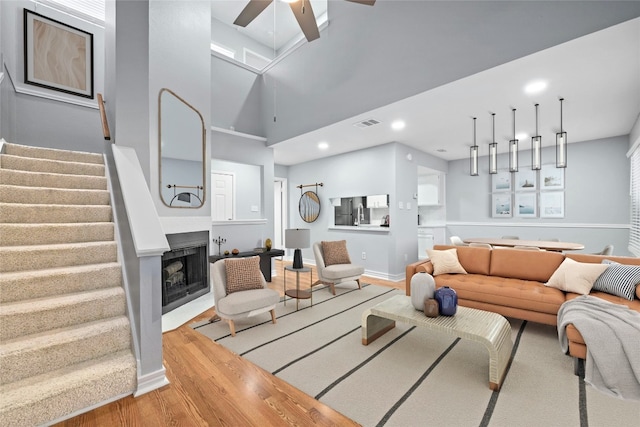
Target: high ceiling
597, 75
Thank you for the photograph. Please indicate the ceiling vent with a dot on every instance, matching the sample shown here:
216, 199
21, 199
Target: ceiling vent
366, 123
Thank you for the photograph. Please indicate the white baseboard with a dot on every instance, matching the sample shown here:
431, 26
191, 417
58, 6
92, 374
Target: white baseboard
151, 381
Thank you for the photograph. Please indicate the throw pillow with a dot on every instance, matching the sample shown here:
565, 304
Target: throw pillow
335, 253
574, 276
618, 279
243, 274
445, 262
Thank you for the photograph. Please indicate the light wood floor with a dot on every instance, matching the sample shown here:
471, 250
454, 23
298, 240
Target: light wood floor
211, 386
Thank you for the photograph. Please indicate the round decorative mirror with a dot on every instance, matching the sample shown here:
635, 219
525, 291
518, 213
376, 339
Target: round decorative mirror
309, 206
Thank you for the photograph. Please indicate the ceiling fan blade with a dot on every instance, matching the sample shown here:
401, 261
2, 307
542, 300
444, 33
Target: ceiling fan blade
251, 11
306, 20
367, 2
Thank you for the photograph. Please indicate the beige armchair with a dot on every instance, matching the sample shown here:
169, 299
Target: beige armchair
335, 274
240, 304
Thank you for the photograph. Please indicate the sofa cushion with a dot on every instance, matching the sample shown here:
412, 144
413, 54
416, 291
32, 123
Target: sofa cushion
243, 274
618, 279
522, 294
526, 265
574, 276
473, 260
445, 262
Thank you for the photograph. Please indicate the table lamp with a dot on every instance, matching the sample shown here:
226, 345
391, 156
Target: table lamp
297, 238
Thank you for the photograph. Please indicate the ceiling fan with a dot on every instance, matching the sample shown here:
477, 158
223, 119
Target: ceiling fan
301, 10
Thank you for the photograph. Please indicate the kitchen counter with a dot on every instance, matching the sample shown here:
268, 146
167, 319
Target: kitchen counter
366, 227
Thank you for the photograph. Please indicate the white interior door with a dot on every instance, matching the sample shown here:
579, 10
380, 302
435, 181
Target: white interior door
222, 205
280, 211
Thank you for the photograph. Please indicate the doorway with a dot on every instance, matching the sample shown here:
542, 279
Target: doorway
279, 211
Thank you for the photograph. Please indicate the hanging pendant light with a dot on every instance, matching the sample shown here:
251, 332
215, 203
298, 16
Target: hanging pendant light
493, 148
561, 144
473, 154
513, 148
536, 146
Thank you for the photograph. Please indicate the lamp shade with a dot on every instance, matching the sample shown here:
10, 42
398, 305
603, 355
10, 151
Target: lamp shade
296, 238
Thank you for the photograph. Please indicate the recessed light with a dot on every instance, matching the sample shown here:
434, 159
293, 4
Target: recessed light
398, 125
535, 87
323, 145
441, 150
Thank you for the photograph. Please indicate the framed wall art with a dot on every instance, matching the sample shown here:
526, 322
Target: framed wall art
525, 205
526, 180
552, 204
57, 56
501, 181
501, 205
551, 178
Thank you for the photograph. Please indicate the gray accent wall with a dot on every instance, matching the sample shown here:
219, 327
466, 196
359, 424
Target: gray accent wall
596, 198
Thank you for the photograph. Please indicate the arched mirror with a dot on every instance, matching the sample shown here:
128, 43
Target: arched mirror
309, 206
182, 139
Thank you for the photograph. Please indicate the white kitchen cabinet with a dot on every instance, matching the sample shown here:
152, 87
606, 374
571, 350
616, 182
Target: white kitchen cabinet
377, 201
430, 190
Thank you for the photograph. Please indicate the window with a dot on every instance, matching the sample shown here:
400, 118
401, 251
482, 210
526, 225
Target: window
634, 232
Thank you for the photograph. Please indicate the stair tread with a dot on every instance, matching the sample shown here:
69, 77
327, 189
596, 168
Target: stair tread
13, 275
53, 302
61, 335
55, 180
32, 388
51, 153
56, 246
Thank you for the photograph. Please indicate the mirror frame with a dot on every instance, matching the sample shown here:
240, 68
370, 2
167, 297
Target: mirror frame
306, 206
203, 188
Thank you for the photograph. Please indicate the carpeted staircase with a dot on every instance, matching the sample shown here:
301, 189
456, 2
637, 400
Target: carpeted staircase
65, 339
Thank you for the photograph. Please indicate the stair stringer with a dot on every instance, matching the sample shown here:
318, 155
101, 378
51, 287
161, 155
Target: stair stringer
151, 375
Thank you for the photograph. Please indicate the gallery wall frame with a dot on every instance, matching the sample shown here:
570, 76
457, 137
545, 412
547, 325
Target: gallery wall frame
525, 205
501, 205
552, 204
526, 180
501, 181
57, 56
551, 177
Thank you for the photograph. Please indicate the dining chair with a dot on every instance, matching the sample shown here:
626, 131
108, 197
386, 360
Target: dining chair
457, 241
608, 250
511, 237
528, 248
481, 245
550, 239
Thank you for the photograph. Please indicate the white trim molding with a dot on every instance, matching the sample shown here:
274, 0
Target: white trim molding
537, 225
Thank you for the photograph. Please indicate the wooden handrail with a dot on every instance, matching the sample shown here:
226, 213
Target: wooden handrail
103, 117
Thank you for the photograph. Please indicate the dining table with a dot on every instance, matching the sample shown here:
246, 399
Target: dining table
549, 245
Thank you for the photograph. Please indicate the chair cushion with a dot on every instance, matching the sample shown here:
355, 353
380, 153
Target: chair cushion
335, 253
340, 271
242, 302
243, 274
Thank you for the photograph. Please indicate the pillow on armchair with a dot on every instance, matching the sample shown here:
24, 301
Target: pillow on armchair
243, 274
335, 253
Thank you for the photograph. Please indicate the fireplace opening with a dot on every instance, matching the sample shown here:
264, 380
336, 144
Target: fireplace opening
185, 269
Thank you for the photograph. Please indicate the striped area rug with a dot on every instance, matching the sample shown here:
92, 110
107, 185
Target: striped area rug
413, 377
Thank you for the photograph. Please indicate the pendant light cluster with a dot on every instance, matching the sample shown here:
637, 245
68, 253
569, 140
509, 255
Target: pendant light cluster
536, 147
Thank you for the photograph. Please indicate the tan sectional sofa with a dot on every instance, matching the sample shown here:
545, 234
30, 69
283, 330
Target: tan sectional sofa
511, 282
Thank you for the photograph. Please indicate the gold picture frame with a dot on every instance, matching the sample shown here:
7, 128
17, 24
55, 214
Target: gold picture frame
57, 56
